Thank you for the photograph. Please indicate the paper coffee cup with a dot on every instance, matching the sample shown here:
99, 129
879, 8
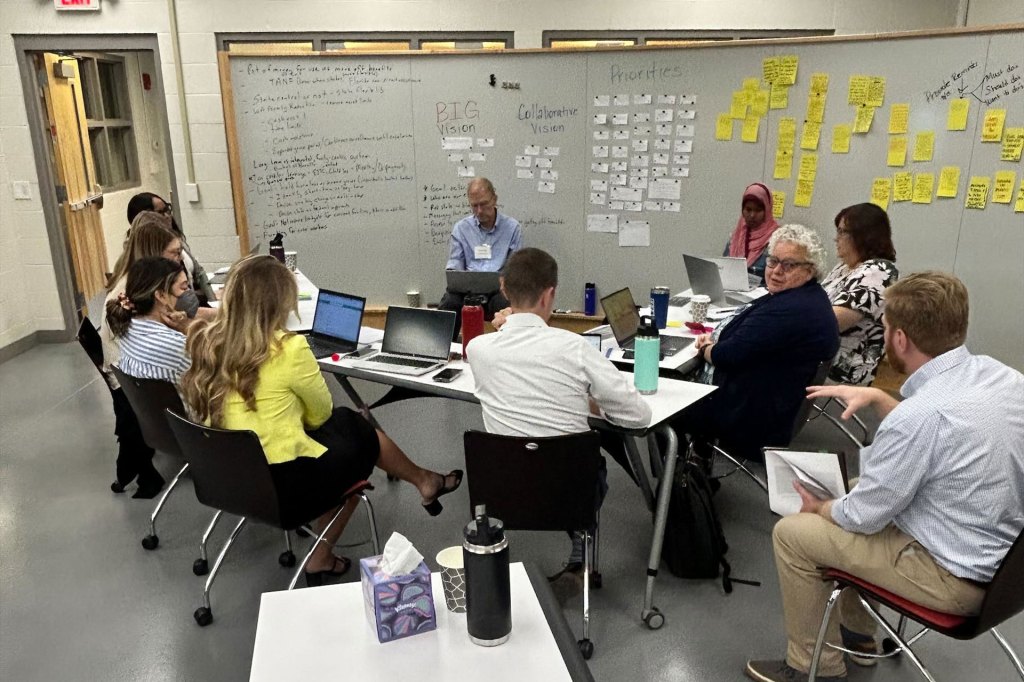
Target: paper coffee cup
413, 298
699, 305
453, 578
291, 260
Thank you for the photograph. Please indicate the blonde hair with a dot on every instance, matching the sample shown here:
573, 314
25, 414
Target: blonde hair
805, 237
148, 237
228, 351
931, 308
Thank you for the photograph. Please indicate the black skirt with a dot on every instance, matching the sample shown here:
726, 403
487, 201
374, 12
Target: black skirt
308, 487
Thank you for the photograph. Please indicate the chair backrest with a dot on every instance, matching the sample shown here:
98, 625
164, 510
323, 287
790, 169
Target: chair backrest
1005, 595
229, 470
820, 374
535, 483
149, 399
90, 341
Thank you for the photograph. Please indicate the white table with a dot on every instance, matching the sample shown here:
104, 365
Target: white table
323, 632
673, 397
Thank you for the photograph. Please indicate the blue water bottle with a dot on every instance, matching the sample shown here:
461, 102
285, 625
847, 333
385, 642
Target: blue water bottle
589, 299
646, 355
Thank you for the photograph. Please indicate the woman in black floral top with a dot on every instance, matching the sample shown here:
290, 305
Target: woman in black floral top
856, 286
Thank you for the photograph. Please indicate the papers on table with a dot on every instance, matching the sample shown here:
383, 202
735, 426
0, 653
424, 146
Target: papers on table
821, 473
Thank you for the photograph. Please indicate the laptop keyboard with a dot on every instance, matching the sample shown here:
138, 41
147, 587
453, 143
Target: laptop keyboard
678, 301
404, 362
320, 350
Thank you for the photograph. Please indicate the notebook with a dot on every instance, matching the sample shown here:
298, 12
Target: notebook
620, 310
416, 341
336, 323
472, 281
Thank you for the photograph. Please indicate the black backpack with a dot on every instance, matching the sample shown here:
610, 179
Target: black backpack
694, 545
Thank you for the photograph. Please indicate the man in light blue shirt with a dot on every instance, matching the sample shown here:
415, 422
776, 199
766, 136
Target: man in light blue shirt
481, 242
940, 498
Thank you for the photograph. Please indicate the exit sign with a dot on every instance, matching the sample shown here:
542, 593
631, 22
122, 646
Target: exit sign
76, 4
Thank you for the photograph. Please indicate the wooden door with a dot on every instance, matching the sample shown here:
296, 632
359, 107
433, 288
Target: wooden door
77, 190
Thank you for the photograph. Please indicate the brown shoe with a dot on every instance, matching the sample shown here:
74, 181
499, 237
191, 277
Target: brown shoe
780, 671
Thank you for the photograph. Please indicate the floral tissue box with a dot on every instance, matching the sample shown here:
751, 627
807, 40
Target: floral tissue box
397, 605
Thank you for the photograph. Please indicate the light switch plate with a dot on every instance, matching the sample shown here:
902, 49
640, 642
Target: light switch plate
192, 192
22, 189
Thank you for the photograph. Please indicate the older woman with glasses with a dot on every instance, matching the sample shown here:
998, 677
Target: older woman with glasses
764, 356
856, 285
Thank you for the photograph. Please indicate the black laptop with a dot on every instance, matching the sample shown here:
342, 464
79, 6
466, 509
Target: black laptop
336, 323
624, 320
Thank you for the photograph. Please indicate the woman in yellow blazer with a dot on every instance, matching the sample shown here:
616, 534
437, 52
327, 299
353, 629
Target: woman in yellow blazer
249, 373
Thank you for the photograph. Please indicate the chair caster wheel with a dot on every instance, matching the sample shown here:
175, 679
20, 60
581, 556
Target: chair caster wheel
392, 479
596, 581
889, 646
203, 616
200, 567
287, 559
653, 619
150, 542
116, 487
586, 648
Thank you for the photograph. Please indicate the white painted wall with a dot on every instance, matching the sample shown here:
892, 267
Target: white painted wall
28, 298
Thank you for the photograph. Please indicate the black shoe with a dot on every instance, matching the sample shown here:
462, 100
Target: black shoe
149, 487
865, 644
316, 578
117, 487
433, 507
780, 671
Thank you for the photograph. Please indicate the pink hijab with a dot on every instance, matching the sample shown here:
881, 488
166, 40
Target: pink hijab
739, 246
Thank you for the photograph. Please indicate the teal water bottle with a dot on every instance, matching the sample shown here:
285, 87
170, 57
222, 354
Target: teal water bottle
646, 354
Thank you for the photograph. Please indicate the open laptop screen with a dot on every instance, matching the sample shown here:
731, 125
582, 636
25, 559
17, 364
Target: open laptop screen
338, 315
620, 310
418, 331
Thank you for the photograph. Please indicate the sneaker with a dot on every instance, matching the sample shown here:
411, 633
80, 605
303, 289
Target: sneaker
855, 641
779, 671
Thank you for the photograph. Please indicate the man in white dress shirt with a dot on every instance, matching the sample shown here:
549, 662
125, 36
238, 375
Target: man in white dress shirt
536, 380
940, 498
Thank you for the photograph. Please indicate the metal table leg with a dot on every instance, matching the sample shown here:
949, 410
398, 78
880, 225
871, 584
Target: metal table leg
357, 399
650, 614
633, 455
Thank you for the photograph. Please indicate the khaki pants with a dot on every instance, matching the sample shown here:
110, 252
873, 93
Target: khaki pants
890, 559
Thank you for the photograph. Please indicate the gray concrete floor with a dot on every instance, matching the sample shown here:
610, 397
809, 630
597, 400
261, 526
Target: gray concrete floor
81, 600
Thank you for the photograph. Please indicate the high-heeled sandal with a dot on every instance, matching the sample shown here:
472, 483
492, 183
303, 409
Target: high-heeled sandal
434, 507
316, 578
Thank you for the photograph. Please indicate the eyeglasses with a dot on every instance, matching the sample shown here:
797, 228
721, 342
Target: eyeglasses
842, 231
166, 210
785, 265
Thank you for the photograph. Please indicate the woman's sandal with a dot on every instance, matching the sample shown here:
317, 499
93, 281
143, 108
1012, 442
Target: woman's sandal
433, 507
316, 578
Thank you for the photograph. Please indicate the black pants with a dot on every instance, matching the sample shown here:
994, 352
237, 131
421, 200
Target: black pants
134, 457
453, 301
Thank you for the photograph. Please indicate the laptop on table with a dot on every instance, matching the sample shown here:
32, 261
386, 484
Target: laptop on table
472, 281
624, 321
706, 279
416, 341
336, 323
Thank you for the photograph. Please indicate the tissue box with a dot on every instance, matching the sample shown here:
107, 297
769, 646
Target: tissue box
397, 605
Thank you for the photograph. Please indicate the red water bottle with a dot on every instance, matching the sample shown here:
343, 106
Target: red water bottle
472, 320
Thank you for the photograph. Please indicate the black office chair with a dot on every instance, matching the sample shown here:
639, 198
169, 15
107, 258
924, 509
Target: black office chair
230, 473
540, 484
1004, 598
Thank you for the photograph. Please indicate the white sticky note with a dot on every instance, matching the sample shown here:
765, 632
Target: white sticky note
598, 185
602, 222
687, 113
638, 182
663, 129
641, 99
546, 187
597, 198
602, 100
626, 194
685, 146
620, 151
666, 99
664, 188
467, 172
681, 171
652, 206
635, 233
524, 173
663, 143
548, 174
639, 172
642, 117
455, 158
614, 205
663, 115
477, 156
601, 135
599, 167
687, 100
640, 160
485, 142
621, 100
681, 159
659, 172
620, 134
525, 162
618, 166
640, 145
671, 206
541, 162
552, 151
620, 119
618, 179
684, 130
532, 149
660, 157
456, 143
642, 130
600, 119
632, 205
600, 152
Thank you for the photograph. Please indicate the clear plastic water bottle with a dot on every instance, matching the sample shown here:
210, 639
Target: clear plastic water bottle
646, 355
488, 591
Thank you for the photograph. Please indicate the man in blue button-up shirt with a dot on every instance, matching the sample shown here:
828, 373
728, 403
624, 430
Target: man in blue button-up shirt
940, 498
481, 242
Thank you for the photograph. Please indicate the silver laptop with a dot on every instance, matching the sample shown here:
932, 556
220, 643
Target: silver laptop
416, 341
472, 281
705, 279
734, 274
221, 277
624, 320
336, 323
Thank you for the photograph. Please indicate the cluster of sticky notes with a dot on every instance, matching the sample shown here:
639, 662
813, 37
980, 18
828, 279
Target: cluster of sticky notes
867, 93
805, 178
779, 73
919, 188
815, 115
784, 152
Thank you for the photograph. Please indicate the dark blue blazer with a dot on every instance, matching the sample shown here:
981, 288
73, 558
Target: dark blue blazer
764, 360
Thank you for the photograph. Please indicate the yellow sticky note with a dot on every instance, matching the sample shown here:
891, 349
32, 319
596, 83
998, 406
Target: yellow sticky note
808, 166
876, 91
865, 115
977, 191
819, 83
805, 180
810, 135
779, 204
783, 165
816, 107
1002, 189
1013, 144
787, 133
779, 97
957, 117
949, 181
899, 115
858, 92
902, 186
841, 138
738, 109
750, 126
897, 151
924, 183
787, 69
751, 84
759, 102
770, 69
880, 189
1018, 206
992, 125
924, 146
723, 127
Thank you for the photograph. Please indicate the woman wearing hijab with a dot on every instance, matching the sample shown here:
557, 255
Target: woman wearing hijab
754, 229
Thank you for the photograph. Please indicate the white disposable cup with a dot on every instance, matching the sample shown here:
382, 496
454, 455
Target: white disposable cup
291, 260
453, 578
699, 305
413, 298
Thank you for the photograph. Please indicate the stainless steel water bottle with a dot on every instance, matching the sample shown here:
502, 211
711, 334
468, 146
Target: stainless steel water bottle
488, 594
